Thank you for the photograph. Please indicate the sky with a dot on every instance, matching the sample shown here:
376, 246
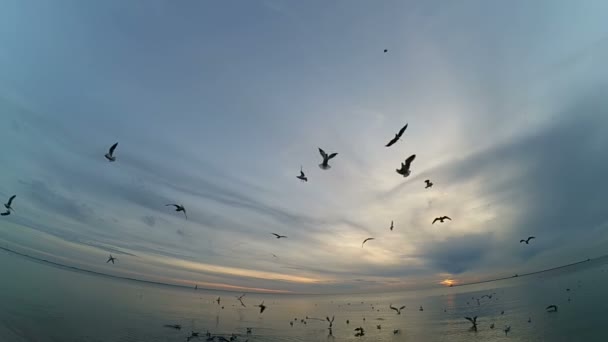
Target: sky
216, 105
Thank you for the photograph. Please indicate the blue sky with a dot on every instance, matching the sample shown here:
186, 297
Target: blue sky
216, 106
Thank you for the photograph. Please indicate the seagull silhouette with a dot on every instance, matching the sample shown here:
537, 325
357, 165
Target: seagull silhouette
392, 226
428, 183
218, 300
240, 299
7, 205
551, 308
398, 310
262, 307
527, 241
111, 258
473, 321
385, 50
397, 136
441, 219
364, 241
178, 207
325, 164
110, 155
405, 167
302, 176
278, 236
507, 329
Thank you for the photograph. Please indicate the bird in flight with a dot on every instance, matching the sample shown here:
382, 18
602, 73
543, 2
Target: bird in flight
527, 241
325, 164
392, 226
302, 176
405, 167
110, 155
262, 307
441, 219
551, 308
398, 310
218, 300
178, 207
385, 50
507, 329
278, 236
364, 241
112, 259
397, 136
8, 204
473, 321
240, 299
429, 184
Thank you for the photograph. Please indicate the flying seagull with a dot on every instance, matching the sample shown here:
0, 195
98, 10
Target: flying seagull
302, 176
397, 136
527, 241
392, 226
112, 259
110, 155
178, 207
218, 300
385, 50
398, 310
325, 164
429, 184
441, 219
473, 321
405, 167
7, 205
240, 299
364, 241
278, 236
551, 308
262, 307
507, 329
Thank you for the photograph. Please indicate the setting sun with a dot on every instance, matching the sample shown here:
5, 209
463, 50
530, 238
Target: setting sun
448, 282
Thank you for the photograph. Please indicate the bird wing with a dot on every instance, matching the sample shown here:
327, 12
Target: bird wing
331, 156
302, 174
469, 319
393, 308
400, 133
447, 217
323, 154
364, 241
10, 200
401, 308
175, 205
435, 220
184, 210
275, 234
531, 237
394, 140
520, 241
6, 213
113, 148
409, 161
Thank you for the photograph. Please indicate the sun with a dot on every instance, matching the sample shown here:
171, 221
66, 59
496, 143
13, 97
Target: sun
448, 282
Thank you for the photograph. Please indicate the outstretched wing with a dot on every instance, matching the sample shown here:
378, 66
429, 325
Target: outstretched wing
447, 217
401, 308
364, 241
331, 156
302, 174
394, 140
393, 308
174, 205
469, 319
401, 131
409, 161
113, 148
520, 241
277, 235
531, 237
10, 200
323, 154
435, 220
6, 213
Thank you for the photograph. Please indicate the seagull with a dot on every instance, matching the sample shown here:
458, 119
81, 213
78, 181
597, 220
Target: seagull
174, 326
473, 321
278, 236
7, 205
428, 183
193, 334
302, 176
492, 326
262, 307
325, 164
527, 241
405, 167
396, 331
178, 207
218, 300
551, 308
441, 219
240, 299
397, 136
392, 226
385, 50
507, 329
111, 258
364, 241
110, 155
398, 310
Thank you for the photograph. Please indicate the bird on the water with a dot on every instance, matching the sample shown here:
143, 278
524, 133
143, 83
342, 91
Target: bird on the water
364, 241
527, 241
441, 219
397, 136
302, 176
398, 310
110, 155
325, 164
278, 236
473, 321
507, 329
112, 259
428, 183
405, 167
240, 299
178, 208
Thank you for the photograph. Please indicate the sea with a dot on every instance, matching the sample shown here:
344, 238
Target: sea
41, 303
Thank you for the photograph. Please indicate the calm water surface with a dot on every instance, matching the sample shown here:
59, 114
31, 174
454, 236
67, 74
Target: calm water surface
43, 303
